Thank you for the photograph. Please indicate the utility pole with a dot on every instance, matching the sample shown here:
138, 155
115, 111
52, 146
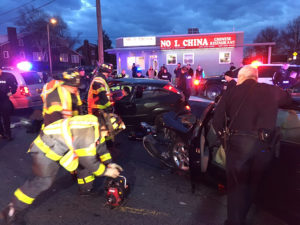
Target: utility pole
100, 36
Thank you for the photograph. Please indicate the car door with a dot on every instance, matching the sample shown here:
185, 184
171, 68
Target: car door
266, 73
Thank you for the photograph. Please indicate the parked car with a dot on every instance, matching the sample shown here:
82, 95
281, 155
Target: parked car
280, 191
147, 100
213, 86
30, 86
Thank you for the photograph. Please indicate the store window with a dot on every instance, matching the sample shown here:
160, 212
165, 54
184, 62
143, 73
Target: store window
188, 58
153, 62
75, 58
224, 57
37, 56
5, 54
171, 59
63, 57
139, 62
21, 43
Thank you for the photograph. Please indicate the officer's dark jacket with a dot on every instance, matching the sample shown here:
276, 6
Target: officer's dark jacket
165, 76
258, 111
8, 83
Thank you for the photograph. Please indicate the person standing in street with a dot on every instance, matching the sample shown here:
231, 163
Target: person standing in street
133, 70
8, 87
183, 83
177, 72
199, 74
246, 118
165, 75
151, 73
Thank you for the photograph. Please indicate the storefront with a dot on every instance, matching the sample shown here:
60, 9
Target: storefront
214, 51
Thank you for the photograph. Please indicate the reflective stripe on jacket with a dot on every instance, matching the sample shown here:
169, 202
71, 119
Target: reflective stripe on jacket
74, 141
99, 96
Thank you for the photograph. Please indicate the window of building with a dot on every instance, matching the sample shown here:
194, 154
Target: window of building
224, 57
37, 56
139, 62
63, 57
171, 59
21, 43
188, 58
22, 55
93, 52
5, 54
75, 58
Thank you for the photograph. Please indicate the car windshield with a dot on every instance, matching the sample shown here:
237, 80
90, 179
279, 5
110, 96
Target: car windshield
31, 78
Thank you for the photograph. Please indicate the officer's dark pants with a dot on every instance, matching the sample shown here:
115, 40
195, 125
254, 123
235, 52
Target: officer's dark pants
246, 161
6, 109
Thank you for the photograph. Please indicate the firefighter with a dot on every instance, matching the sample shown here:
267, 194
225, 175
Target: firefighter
61, 97
71, 143
99, 93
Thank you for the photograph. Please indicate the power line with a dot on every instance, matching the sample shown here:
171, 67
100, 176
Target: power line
47, 3
13, 9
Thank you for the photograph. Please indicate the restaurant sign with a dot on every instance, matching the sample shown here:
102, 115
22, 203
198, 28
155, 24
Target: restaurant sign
203, 41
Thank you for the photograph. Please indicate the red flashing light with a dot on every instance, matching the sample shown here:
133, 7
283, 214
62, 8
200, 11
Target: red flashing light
24, 91
256, 63
169, 87
187, 107
196, 82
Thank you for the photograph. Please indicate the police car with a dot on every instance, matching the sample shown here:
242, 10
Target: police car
213, 86
30, 86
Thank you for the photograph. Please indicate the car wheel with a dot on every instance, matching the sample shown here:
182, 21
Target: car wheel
180, 155
212, 92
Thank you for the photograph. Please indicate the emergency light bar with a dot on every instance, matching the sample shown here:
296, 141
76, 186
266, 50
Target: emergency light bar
25, 66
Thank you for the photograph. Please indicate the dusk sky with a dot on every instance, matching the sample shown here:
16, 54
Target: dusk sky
126, 18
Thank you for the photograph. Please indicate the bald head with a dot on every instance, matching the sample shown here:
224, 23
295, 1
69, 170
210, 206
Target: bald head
247, 72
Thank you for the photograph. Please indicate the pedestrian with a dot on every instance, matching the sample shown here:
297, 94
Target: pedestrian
139, 74
61, 97
251, 109
8, 87
199, 75
165, 75
77, 146
161, 70
122, 75
151, 73
190, 71
183, 83
177, 72
134, 70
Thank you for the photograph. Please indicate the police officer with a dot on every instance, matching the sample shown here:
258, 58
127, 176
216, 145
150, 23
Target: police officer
183, 83
122, 75
61, 97
8, 86
71, 143
99, 98
281, 75
251, 109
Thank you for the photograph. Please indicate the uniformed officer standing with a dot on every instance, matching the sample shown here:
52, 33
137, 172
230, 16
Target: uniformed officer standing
251, 108
8, 86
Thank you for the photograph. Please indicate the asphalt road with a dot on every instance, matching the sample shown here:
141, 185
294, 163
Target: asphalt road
158, 195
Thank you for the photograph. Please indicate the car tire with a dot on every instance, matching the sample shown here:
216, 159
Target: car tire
213, 91
180, 154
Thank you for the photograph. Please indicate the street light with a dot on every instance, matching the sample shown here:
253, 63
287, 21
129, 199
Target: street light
52, 21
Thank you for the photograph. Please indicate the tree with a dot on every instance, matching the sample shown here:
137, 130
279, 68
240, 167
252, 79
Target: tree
33, 22
290, 37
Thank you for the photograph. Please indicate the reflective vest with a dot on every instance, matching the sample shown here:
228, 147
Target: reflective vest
99, 96
67, 154
57, 98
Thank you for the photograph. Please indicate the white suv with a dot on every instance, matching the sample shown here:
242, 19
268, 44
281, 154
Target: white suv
30, 86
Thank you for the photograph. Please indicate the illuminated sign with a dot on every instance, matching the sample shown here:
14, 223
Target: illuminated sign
203, 41
139, 41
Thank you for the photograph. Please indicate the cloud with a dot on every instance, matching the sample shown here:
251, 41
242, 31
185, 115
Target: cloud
122, 18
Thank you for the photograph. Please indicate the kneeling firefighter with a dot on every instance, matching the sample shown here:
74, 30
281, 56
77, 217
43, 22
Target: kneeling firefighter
73, 143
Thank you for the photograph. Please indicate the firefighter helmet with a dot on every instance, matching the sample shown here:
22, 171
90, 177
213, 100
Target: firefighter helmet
106, 68
71, 78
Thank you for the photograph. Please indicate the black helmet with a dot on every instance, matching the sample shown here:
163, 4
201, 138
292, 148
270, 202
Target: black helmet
106, 68
71, 77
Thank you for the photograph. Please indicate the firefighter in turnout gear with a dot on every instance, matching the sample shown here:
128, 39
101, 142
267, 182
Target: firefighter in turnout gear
99, 98
73, 143
61, 97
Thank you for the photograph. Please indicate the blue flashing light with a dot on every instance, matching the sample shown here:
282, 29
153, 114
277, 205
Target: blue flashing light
25, 66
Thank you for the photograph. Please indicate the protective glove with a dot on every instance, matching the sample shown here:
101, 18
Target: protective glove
112, 172
115, 166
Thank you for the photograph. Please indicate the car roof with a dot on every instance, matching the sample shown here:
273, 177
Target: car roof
290, 65
140, 81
